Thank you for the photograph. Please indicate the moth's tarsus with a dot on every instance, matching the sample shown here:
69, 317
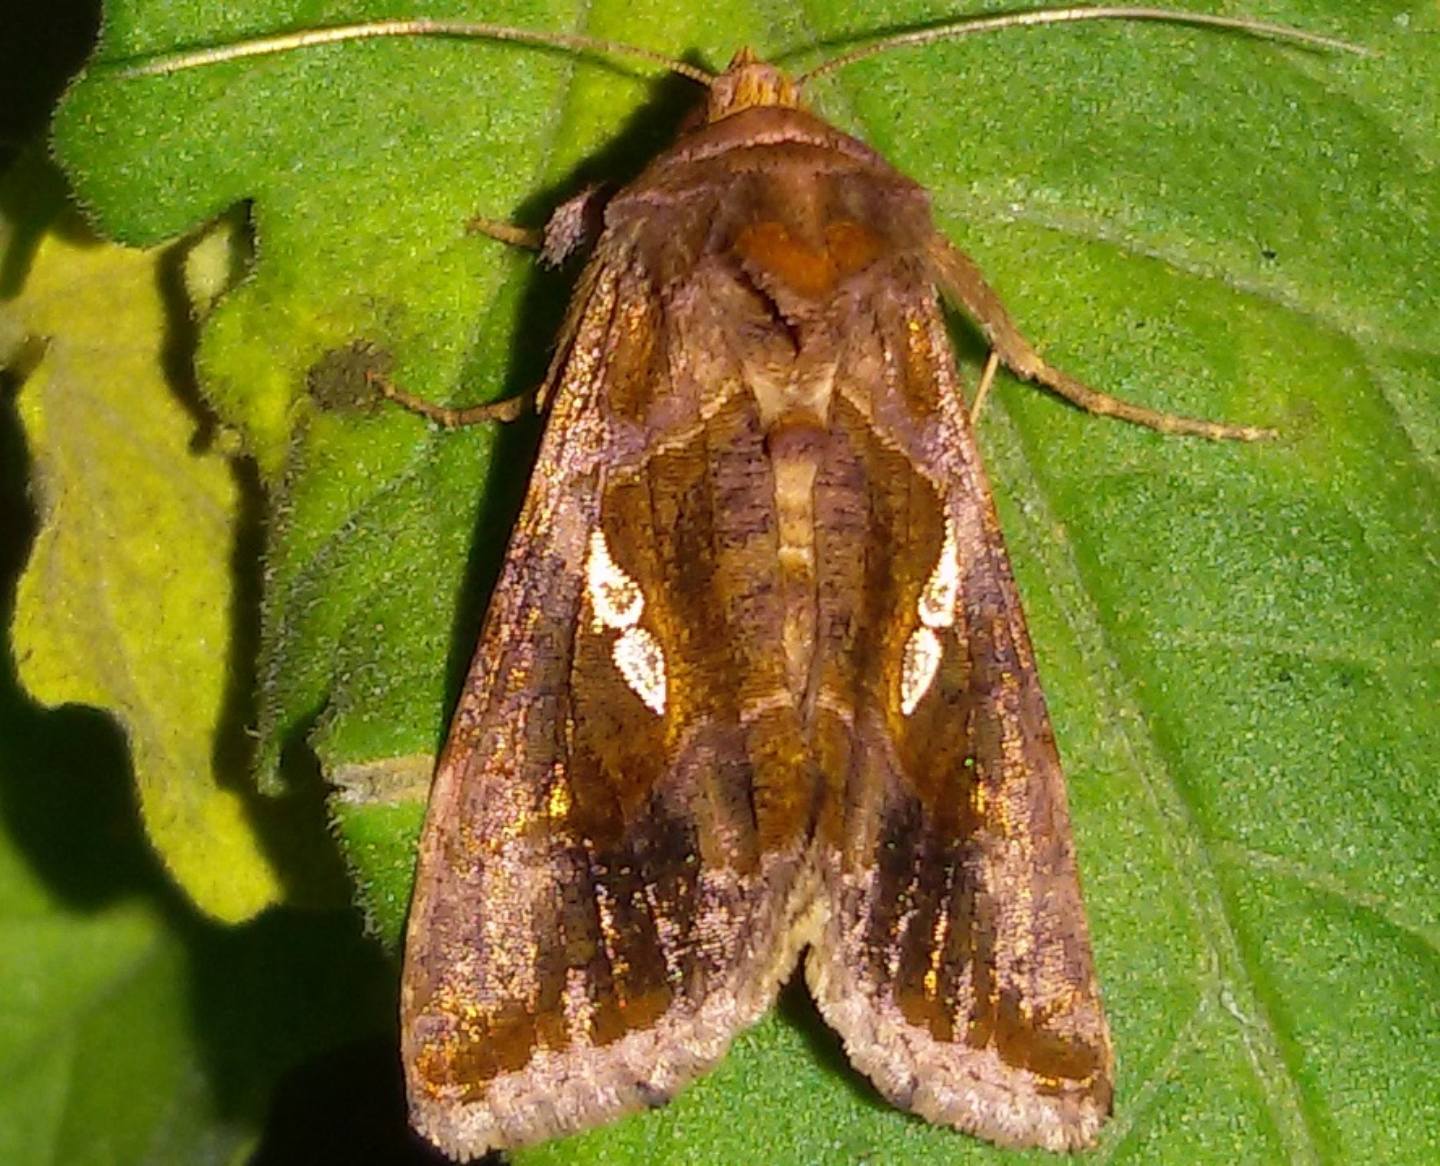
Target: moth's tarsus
447, 416
982, 391
503, 232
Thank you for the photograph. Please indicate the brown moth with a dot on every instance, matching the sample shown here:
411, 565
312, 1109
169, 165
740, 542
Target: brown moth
755, 679
755, 685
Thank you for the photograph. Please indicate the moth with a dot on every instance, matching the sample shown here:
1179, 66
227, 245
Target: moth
755, 687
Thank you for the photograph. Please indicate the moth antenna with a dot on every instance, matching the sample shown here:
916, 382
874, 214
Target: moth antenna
953, 29
420, 26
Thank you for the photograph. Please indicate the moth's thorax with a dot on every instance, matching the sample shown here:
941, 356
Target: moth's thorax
747, 83
790, 204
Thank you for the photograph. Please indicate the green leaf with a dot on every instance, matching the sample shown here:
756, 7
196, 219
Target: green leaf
1238, 642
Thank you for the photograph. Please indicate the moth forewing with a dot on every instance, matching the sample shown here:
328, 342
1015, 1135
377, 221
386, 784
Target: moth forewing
599, 905
956, 960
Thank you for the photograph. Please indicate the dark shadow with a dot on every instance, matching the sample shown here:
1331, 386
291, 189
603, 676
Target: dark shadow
503, 492
44, 45
297, 1014
178, 348
824, 1045
798, 1010
32, 194
361, 1081
652, 128
971, 347
970, 352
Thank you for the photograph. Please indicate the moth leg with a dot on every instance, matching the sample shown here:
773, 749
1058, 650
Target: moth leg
961, 281
507, 233
571, 226
449, 417
987, 381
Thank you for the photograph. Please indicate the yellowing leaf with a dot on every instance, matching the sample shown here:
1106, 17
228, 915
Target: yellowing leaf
126, 600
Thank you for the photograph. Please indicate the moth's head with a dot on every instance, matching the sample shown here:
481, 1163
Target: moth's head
748, 82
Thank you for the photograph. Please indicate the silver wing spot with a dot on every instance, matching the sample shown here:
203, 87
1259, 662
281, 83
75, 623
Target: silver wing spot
617, 605
935, 610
